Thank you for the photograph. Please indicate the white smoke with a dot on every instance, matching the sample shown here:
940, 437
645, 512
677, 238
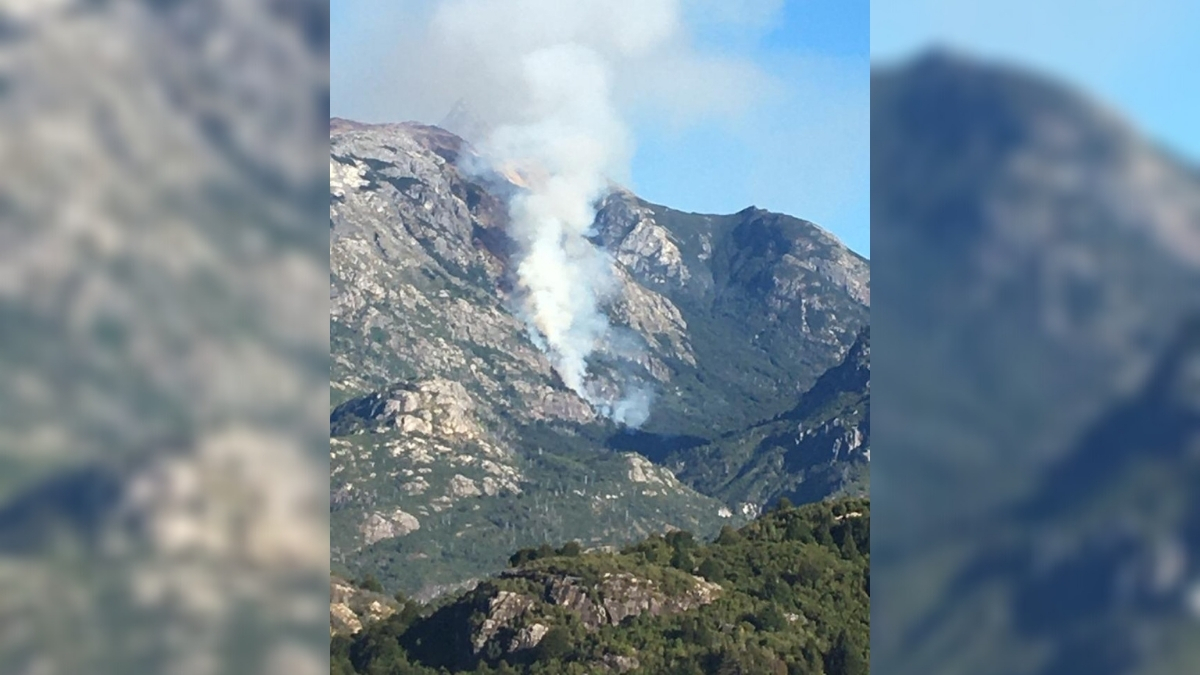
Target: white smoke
552, 80
566, 151
633, 409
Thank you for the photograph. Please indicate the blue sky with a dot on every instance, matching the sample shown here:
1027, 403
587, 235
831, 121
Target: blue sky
1140, 58
804, 149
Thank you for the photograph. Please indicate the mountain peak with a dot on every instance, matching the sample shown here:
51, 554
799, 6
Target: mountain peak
463, 121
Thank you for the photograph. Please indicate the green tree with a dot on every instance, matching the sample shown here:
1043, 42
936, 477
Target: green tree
767, 569
713, 570
369, 583
799, 530
555, 644
681, 540
846, 657
728, 536
683, 560
850, 549
522, 556
823, 535
693, 631
771, 618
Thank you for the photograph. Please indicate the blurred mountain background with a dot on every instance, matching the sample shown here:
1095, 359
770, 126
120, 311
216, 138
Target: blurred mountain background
162, 372
1036, 261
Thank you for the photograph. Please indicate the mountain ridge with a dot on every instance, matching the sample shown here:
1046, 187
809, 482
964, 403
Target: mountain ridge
1036, 256
453, 437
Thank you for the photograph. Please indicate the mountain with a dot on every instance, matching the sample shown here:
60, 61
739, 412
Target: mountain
1037, 254
162, 336
464, 123
767, 302
1102, 555
821, 447
788, 593
1036, 257
455, 442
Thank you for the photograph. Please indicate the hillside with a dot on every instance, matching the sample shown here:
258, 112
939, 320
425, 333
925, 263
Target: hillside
820, 447
788, 593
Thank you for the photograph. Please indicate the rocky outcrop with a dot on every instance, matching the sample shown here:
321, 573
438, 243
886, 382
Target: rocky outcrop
835, 440
514, 621
620, 595
461, 486
503, 611
435, 406
625, 595
568, 592
620, 663
378, 526
642, 470
351, 607
650, 251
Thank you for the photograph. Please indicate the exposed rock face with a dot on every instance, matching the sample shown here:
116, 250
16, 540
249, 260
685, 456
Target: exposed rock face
396, 524
503, 610
642, 470
432, 406
650, 252
819, 447
621, 664
350, 607
461, 486
516, 619
1056, 256
832, 437
342, 620
569, 593
645, 248
625, 595
415, 288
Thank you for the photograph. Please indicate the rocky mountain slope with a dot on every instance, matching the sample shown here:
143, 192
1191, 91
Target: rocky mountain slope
1036, 256
1102, 555
820, 447
164, 365
1036, 253
767, 303
454, 441
788, 593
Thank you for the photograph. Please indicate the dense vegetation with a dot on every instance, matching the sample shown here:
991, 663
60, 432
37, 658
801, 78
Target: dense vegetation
794, 598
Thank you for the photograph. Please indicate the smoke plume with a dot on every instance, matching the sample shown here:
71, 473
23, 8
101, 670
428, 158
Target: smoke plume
565, 153
553, 82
